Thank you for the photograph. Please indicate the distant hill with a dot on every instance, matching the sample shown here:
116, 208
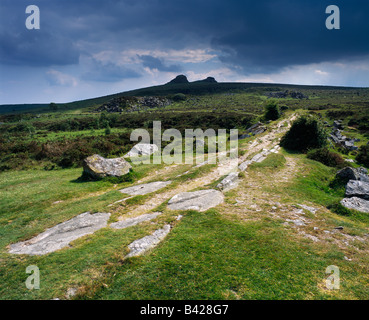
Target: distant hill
207, 80
179, 84
10, 108
179, 79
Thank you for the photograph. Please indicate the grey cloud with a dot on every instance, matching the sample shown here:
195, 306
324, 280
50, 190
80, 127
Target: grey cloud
108, 72
155, 63
252, 36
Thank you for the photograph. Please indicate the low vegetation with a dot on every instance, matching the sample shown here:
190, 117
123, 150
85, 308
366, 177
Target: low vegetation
306, 133
246, 248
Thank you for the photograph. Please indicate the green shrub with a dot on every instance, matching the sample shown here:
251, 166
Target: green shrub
306, 133
328, 158
339, 209
179, 97
107, 130
272, 111
363, 155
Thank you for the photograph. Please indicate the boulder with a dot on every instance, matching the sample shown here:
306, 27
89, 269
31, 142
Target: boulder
348, 173
355, 188
337, 124
62, 234
98, 167
142, 149
356, 203
198, 200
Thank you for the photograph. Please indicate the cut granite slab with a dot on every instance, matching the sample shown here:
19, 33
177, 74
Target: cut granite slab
229, 182
140, 246
129, 222
243, 166
62, 234
145, 188
356, 203
201, 200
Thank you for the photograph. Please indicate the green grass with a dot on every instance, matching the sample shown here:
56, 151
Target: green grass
210, 257
273, 161
213, 255
60, 136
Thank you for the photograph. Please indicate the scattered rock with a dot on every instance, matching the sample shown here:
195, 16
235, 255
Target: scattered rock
130, 222
257, 128
356, 204
355, 188
338, 125
310, 209
198, 200
146, 188
62, 234
337, 137
287, 94
142, 149
297, 222
98, 167
139, 247
71, 292
131, 104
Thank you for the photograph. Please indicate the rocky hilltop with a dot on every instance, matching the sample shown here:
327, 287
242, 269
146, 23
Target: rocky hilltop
131, 104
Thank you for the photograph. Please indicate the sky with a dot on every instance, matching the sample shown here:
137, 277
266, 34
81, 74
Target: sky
90, 48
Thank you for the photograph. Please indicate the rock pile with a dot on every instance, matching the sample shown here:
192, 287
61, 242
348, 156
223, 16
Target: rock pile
288, 94
131, 104
337, 137
357, 188
257, 128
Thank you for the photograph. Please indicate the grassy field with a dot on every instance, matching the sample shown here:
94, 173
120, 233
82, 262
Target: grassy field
249, 247
229, 252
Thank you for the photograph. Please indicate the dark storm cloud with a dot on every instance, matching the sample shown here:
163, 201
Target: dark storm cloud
108, 72
155, 63
252, 36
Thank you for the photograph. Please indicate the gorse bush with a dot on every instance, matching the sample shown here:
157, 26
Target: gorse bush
327, 157
272, 111
306, 133
363, 155
179, 97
